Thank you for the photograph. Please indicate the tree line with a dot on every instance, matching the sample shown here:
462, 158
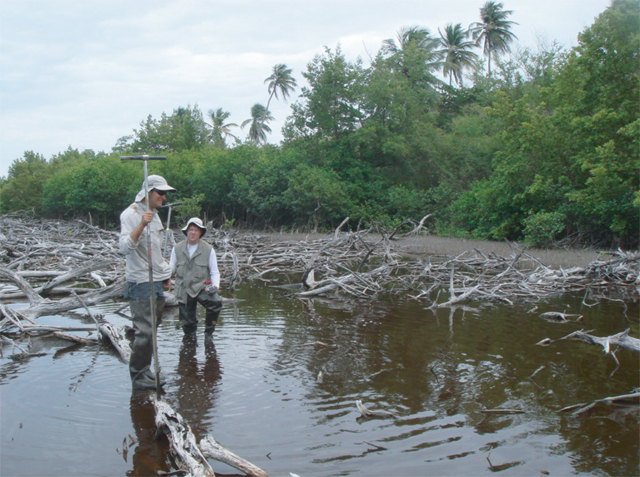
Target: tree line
539, 146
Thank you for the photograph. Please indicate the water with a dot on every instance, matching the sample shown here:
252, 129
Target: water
256, 389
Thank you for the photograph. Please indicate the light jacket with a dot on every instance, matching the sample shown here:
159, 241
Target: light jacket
191, 272
137, 265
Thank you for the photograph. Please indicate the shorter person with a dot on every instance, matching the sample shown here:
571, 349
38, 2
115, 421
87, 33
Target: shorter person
197, 278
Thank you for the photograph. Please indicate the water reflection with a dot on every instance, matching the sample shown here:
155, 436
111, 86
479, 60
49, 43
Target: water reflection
197, 384
150, 454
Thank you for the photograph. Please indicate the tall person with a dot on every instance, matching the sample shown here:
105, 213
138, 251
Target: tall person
136, 221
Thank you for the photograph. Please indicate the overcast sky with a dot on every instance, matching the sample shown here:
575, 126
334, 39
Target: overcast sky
83, 73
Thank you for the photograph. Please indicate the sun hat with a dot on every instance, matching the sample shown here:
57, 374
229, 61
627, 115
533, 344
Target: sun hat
198, 223
154, 182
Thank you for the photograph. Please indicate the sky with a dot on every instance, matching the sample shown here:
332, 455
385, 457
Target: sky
84, 73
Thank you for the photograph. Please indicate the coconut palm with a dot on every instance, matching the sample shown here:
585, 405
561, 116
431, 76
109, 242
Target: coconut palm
413, 41
220, 130
415, 35
456, 52
493, 31
260, 116
280, 80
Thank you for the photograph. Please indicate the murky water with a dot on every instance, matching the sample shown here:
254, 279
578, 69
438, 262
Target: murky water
257, 389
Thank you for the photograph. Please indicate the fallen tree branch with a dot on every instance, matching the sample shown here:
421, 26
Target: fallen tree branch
622, 339
633, 398
213, 450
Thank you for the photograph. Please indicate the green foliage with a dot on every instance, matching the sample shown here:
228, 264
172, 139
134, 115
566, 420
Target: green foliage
23, 188
190, 207
102, 187
331, 103
542, 228
183, 130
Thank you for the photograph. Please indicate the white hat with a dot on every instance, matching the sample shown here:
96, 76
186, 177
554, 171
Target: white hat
154, 182
198, 223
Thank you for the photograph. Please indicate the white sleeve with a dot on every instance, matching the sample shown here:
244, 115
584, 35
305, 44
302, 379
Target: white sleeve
214, 273
172, 261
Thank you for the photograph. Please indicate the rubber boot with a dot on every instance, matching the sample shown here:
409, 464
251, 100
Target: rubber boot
210, 325
142, 350
187, 313
213, 307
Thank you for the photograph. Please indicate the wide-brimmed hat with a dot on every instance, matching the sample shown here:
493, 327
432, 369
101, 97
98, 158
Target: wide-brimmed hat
198, 223
154, 182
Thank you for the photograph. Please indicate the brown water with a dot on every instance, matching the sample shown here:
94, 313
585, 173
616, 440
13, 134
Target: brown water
256, 389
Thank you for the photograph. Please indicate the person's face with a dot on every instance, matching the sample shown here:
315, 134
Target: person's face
193, 234
156, 198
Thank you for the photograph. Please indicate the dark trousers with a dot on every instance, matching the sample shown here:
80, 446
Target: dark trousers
212, 304
142, 349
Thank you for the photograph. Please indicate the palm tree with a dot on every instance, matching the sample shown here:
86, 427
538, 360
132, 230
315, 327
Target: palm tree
413, 40
456, 52
259, 129
493, 31
280, 80
219, 130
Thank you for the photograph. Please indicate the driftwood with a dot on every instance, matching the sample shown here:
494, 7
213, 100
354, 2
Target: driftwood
213, 450
119, 342
365, 412
191, 457
625, 399
364, 263
619, 340
184, 448
622, 339
502, 411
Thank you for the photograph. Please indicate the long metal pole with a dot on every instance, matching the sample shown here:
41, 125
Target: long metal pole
168, 229
152, 295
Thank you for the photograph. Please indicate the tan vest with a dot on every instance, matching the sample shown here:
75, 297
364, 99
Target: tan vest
191, 272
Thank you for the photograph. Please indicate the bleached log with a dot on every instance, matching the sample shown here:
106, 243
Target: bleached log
182, 441
75, 339
17, 294
118, 341
98, 279
40, 273
337, 232
77, 272
22, 284
372, 414
622, 339
213, 450
557, 317
48, 307
457, 299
